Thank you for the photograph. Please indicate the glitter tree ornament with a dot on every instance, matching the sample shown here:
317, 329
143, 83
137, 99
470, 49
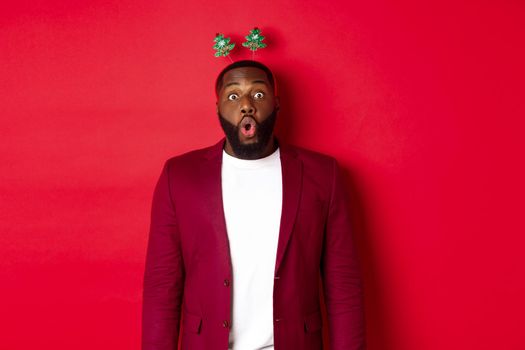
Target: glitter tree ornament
254, 41
223, 46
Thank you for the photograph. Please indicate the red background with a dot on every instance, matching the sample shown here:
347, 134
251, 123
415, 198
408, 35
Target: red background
421, 103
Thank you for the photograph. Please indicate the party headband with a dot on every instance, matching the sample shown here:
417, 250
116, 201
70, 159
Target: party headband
253, 42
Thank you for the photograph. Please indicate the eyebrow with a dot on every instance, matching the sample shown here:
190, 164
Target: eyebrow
253, 82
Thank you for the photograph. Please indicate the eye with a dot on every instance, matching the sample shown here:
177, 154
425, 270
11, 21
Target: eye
258, 95
232, 97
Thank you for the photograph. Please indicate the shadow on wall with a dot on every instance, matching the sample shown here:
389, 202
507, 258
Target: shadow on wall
380, 333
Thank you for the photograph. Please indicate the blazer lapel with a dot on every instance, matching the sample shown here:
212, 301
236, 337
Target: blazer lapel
292, 170
212, 189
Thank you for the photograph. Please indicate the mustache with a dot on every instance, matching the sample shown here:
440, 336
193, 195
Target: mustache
269, 122
264, 133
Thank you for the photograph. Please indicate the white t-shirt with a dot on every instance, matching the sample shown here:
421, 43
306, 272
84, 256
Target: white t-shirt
252, 200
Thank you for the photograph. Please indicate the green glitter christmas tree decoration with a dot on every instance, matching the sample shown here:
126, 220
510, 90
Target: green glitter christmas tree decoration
223, 46
254, 41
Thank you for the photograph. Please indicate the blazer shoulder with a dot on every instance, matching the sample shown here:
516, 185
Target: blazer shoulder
190, 158
312, 157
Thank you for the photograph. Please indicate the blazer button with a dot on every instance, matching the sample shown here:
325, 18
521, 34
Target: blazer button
226, 324
226, 282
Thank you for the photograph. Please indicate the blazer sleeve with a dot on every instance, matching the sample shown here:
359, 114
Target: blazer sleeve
341, 273
164, 272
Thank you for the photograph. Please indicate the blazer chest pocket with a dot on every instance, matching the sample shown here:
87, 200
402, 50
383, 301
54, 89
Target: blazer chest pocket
311, 209
313, 322
310, 223
191, 323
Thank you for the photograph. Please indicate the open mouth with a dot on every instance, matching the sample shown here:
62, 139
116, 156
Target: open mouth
248, 126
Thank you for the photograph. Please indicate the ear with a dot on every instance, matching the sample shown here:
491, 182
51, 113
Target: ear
277, 102
217, 107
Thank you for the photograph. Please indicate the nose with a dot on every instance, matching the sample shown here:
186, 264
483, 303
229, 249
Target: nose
247, 106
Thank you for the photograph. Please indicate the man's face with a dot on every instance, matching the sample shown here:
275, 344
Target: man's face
247, 110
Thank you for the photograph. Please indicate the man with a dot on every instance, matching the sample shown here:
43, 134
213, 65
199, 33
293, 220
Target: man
242, 231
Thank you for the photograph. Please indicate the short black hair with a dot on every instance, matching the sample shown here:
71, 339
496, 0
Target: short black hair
240, 64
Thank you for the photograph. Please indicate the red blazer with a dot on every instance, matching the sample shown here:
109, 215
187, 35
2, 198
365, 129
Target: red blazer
188, 270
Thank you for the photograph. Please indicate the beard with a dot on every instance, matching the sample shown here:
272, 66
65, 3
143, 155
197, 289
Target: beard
255, 149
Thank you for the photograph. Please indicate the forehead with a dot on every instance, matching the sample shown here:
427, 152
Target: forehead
245, 75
